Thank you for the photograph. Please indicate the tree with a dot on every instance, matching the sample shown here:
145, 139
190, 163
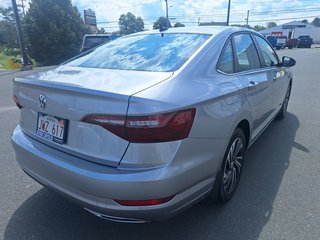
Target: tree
8, 33
258, 28
316, 22
305, 21
54, 29
239, 25
271, 24
177, 24
128, 23
161, 21
101, 31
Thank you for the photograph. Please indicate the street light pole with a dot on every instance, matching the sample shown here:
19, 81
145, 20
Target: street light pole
25, 65
167, 13
228, 16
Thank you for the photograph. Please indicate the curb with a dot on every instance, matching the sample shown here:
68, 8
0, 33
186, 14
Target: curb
7, 72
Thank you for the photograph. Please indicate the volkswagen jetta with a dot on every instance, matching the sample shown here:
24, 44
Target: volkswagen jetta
144, 126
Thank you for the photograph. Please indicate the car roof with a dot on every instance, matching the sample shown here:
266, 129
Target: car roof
212, 30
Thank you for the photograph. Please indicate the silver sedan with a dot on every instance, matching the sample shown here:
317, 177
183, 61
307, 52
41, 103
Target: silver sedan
144, 126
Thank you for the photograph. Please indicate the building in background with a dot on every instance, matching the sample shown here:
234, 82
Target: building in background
294, 29
90, 19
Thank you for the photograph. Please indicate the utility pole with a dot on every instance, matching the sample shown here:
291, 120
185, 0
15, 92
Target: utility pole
167, 13
25, 65
228, 16
247, 19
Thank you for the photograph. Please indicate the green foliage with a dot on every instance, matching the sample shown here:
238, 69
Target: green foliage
4, 60
101, 31
161, 21
258, 28
316, 22
54, 30
8, 33
128, 23
177, 24
305, 21
271, 24
10, 60
239, 25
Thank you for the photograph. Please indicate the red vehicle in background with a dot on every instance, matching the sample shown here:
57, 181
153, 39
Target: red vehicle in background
292, 43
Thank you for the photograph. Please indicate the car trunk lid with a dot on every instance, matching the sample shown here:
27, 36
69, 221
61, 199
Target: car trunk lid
72, 93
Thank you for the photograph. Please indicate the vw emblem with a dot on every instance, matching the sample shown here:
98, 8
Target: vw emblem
42, 101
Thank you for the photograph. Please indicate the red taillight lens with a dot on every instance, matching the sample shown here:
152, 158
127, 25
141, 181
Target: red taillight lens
145, 129
114, 124
16, 100
143, 202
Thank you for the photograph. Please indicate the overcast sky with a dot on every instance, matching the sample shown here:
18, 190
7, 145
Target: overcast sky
190, 11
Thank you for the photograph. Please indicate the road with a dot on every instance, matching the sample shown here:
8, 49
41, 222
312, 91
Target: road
277, 197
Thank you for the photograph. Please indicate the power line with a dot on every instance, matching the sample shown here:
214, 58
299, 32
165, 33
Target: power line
273, 2
252, 13
276, 19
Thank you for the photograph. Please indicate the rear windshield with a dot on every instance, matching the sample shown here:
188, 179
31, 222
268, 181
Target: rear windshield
153, 52
304, 37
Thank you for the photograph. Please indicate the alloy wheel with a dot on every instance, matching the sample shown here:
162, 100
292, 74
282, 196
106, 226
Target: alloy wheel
233, 165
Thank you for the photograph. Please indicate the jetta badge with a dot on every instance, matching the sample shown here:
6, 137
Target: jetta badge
42, 101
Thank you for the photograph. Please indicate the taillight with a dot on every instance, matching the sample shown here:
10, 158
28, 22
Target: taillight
146, 129
16, 100
144, 202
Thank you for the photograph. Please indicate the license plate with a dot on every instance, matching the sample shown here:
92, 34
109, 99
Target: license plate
51, 128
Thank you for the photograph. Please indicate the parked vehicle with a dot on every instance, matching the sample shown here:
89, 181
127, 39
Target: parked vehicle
281, 42
272, 40
292, 43
305, 42
93, 40
142, 127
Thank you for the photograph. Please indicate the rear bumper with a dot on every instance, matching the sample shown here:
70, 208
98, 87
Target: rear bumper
94, 186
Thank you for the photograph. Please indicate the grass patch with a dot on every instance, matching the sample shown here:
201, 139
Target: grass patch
10, 59
9, 62
4, 61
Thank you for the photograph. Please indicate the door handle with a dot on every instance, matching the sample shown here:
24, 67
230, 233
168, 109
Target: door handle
252, 85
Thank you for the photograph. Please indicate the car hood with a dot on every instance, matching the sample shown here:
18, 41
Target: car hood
124, 82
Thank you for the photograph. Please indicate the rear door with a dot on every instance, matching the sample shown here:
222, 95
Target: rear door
257, 80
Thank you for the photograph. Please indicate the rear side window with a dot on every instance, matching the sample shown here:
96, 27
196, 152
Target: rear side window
246, 54
151, 52
269, 56
226, 64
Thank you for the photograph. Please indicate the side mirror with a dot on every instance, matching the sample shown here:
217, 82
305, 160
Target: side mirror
288, 62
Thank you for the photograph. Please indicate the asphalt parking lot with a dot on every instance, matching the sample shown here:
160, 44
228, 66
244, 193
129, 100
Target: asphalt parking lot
277, 198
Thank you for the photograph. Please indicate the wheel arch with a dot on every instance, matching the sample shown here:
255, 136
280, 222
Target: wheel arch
245, 127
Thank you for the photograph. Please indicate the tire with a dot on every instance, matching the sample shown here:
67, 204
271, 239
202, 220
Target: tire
278, 48
290, 47
283, 111
229, 174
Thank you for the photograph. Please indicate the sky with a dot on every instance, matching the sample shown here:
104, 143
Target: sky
190, 12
